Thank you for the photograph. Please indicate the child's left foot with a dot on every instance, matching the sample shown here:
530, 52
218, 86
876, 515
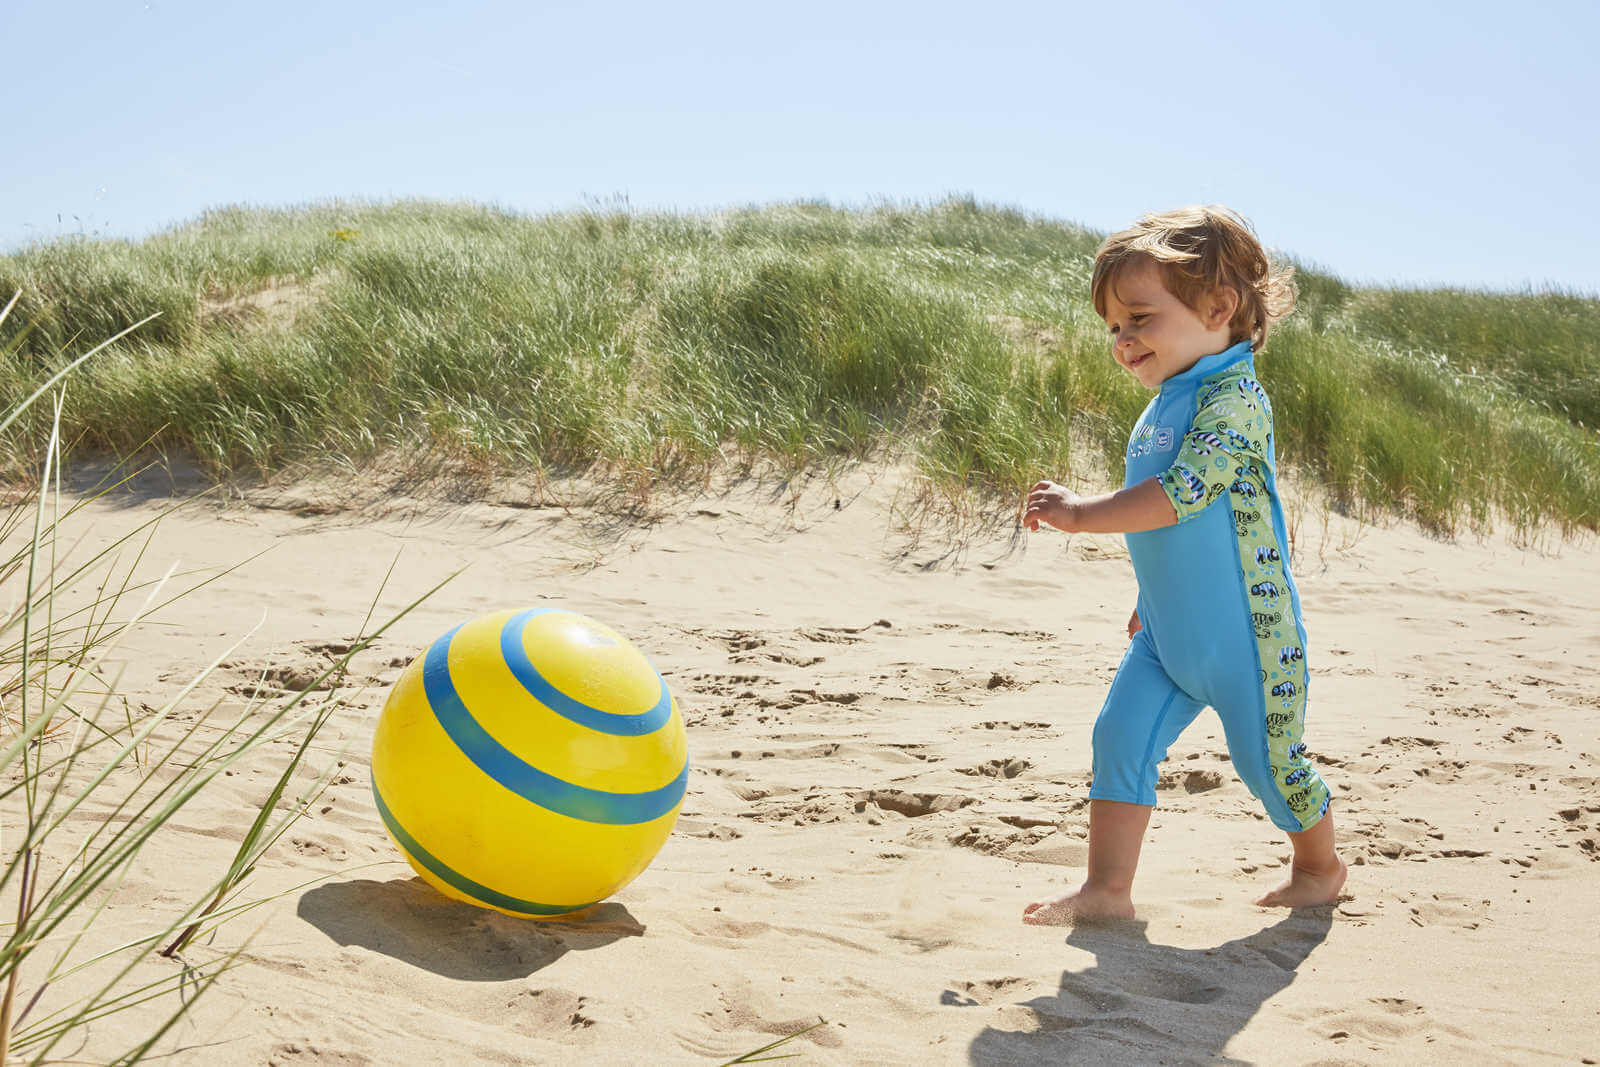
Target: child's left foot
1307, 889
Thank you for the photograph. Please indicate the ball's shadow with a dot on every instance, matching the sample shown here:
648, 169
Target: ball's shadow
406, 919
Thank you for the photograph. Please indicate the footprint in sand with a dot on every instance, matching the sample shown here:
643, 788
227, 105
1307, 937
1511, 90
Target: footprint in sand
1579, 828
794, 659
1056, 848
1382, 1021
723, 685
740, 1015
319, 847
810, 810
1193, 781
988, 839
1528, 736
547, 1012
797, 697
1410, 743
1390, 840
911, 805
997, 768
739, 640
983, 992
709, 830
1440, 771
311, 667
295, 1052
1449, 910
281, 679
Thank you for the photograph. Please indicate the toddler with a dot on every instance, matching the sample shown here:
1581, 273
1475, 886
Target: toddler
1189, 296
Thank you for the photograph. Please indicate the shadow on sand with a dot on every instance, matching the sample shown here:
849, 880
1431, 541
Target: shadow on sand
1148, 1003
406, 919
138, 480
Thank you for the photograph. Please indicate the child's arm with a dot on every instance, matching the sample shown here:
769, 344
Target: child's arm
1142, 507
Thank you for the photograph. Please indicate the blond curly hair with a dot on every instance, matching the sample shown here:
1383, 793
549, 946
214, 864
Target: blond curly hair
1199, 249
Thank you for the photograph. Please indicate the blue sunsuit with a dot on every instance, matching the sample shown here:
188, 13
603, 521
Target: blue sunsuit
1219, 609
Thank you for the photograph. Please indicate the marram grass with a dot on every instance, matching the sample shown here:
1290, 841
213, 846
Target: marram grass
804, 333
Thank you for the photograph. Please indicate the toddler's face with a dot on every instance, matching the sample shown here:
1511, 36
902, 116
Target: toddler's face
1154, 335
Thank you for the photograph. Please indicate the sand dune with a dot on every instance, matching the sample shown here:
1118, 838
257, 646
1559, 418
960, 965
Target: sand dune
890, 757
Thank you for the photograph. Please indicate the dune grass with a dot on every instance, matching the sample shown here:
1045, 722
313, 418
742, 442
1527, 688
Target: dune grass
660, 344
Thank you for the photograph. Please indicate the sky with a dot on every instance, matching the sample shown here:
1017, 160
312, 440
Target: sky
1407, 143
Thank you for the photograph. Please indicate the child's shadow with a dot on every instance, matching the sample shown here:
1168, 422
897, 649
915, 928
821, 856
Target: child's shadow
405, 919
1147, 1003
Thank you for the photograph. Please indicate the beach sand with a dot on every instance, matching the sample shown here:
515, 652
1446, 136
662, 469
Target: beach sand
890, 755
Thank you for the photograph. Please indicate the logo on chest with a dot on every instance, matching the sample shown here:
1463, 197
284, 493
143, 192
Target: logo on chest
1151, 440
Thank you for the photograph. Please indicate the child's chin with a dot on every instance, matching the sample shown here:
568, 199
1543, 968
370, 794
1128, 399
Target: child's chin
1145, 375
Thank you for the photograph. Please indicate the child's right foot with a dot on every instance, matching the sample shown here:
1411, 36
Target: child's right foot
1308, 889
1084, 904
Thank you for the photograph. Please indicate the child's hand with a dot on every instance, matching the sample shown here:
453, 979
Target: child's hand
1051, 503
1134, 625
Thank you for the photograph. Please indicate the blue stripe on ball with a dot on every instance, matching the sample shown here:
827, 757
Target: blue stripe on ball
451, 876
525, 780
605, 722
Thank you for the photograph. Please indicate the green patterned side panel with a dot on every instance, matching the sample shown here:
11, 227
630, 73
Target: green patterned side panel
1225, 454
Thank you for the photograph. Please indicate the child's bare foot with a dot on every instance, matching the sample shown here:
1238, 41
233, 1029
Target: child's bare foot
1308, 888
1083, 904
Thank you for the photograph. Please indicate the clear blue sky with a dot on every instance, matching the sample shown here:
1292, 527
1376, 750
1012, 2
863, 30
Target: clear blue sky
1398, 142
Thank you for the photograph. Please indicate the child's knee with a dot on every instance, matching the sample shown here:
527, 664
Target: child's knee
1123, 769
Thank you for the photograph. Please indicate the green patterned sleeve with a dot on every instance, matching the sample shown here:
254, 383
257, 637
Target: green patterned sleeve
1227, 447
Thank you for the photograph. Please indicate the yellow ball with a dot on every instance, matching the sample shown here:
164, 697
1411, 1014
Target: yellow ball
530, 761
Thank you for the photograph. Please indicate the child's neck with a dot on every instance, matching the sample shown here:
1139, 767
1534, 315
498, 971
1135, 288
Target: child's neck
1197, 360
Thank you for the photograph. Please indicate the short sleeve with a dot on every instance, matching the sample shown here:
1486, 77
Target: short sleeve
1228, 447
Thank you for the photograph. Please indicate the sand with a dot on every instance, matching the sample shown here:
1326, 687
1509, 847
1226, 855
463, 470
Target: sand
890, 757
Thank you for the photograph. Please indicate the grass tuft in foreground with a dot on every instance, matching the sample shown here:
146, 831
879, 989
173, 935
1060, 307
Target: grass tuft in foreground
92, 778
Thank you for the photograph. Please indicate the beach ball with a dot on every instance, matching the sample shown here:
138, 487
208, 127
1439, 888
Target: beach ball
532, 762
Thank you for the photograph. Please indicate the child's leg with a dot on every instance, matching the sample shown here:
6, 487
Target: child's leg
1316, 873
1116, 832
1264, 723
1142, 716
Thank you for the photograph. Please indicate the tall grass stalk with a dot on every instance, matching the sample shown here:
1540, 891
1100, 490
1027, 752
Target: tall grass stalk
270, 824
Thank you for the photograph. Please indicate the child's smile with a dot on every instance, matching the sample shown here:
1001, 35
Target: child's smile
1154, 334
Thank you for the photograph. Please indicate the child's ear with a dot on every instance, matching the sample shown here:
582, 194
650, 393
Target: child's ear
1224, 301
